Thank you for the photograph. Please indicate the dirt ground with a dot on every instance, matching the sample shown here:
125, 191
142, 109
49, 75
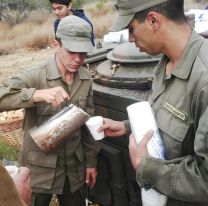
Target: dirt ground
22, 59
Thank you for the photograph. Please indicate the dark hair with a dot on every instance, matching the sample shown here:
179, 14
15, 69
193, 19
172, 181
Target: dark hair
64, 2
172, 9
58, 40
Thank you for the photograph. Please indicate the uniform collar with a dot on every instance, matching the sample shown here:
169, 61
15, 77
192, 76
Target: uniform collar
184, 66
54, 73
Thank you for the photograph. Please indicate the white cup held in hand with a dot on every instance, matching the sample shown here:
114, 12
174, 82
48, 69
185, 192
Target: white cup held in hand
12, 170
93, 125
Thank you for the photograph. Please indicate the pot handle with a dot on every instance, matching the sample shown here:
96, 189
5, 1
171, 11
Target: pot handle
62, 110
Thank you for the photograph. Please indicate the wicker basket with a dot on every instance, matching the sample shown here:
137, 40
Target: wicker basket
11, 128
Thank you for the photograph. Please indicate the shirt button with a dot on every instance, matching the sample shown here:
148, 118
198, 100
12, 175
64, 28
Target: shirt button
25, 96
147, 186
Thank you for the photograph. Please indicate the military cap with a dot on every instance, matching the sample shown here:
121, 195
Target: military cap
128, 8
75, 34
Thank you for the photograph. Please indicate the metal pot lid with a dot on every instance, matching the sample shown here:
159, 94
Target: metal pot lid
129, 53
131, 75
99, 52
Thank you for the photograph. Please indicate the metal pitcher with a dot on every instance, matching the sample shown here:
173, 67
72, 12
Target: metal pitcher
60, 126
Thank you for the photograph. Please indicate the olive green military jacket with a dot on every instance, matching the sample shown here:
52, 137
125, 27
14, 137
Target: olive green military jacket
180, 105
8, 193
48, 171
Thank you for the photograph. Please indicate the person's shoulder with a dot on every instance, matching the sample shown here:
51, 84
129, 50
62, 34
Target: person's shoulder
35, 68
80, 13
84, 73
56, 22
204, 45
203, 52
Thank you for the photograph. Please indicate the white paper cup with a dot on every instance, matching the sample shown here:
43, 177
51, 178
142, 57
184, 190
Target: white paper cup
12, 170
93, 125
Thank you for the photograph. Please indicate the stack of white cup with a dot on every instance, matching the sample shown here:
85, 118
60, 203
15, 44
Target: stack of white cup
142, 120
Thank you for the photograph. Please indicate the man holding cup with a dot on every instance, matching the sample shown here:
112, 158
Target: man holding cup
179, 100
43, 91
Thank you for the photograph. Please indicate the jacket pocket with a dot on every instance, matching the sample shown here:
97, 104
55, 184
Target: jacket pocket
79, 153
82, 102
43, 167
173, 131
80, 163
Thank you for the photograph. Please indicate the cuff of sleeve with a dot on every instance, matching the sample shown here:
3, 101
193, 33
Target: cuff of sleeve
148, 172
92, 164
127, 127
26, 94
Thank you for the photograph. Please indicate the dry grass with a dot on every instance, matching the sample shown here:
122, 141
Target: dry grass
41, 36
101, 19
28, 34
37, 38
36, 32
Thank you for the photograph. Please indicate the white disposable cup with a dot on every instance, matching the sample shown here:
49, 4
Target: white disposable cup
12, 170
93, 125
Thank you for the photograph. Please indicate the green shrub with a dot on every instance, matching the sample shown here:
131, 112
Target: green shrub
76, 4
8, 152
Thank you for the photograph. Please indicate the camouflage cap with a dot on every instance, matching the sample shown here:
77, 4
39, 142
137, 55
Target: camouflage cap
75, 34
128, 8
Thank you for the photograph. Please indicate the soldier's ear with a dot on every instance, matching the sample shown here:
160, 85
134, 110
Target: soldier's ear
55, 44
153, 19
70, 6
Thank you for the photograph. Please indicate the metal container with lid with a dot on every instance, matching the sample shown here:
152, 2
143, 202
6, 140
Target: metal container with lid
122, 79
127, 68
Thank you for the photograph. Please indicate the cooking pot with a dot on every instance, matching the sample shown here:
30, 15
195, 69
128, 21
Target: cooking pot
59, 127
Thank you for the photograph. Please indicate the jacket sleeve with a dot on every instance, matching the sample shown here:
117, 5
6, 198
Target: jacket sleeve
90, 146
56, 23
184, 178
17, 92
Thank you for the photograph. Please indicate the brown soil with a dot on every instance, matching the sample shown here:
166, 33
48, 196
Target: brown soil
22, 59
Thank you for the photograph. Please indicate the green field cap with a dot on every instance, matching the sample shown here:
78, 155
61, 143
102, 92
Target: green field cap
75, 34
128, 8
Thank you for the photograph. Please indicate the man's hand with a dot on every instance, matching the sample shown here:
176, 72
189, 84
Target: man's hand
112, 128
54, 96
138, 151
22, 182
91, 174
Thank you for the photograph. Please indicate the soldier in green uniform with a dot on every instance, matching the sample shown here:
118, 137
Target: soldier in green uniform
62, 80
179, 100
